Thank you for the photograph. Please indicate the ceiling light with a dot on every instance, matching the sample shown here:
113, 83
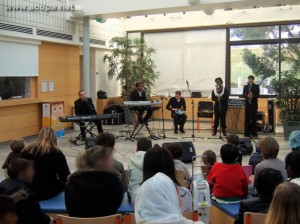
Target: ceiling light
193, 2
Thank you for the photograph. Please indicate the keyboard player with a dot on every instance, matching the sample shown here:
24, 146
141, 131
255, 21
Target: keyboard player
140, 95
84, 106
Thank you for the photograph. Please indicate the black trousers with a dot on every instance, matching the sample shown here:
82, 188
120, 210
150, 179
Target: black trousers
220, 115
250, 119
178, 120
82, 128
147, 116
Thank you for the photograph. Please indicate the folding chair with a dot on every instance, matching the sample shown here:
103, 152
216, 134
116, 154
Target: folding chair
254, 218
205, 110
113, 219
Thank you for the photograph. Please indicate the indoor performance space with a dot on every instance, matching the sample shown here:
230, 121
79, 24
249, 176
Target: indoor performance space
150, 112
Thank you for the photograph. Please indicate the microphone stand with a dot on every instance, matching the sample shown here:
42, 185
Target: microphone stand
193, 114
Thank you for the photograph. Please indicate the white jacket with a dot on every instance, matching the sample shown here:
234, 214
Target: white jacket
135, 170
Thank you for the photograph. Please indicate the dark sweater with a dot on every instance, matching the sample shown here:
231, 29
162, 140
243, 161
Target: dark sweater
255, 93
223, 101
51, 172
135, 96
93, 194
84, 107
11, 156
173, 103
28, 207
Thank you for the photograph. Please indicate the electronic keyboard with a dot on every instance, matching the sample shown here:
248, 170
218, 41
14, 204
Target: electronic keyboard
88, 117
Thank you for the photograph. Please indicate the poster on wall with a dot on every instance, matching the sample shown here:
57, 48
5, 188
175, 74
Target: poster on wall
51, 113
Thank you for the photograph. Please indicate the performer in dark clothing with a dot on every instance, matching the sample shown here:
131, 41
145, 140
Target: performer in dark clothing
251, 93
177, 106
220, 95
85, 106
140, 95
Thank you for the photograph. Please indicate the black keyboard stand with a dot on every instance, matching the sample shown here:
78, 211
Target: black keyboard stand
88, 128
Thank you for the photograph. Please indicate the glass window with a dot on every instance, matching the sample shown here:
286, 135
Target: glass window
290, 31
290, 58
254, 33
14, 87
261, 61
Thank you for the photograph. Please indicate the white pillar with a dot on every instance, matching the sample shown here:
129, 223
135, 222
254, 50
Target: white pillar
86, 55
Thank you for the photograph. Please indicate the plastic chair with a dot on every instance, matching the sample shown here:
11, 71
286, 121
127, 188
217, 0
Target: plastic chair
180, 176
254, 218
248, 171
205, 110
113, 219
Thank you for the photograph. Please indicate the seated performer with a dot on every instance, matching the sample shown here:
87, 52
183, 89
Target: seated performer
140, 95
177, 106
220, 95
85, 106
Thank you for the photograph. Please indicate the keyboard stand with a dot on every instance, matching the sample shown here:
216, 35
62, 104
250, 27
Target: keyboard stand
88, 128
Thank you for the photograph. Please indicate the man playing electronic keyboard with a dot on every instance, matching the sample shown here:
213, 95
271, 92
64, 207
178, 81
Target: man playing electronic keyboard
84, 106
177, 106
140, 95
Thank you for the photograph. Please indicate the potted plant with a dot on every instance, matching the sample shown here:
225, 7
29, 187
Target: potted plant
130, 61
288, 102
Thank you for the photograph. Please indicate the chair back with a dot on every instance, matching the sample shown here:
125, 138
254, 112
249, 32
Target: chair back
254, 218
205, 109
113, 219
248, 171
180, 178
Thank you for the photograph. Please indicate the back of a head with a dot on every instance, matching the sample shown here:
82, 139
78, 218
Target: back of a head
106, 139
158, 159
210, 157
17, 166
96, 157
266, 182
229, 153
17, 145
285, 205
294, 140
7, 205
143, 144
269, 147
175, 149
292, 164
233, 139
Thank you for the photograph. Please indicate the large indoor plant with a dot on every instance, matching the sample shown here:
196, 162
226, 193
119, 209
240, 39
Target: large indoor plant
130, 61
288, 101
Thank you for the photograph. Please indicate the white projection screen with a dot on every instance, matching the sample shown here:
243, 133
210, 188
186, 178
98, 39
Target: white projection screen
194, 56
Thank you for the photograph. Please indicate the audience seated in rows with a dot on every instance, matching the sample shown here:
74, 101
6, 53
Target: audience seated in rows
158, 201
255, 159
294, 140
269, 148
51, 168
267, 180
135, 165
95, 189
228, 180
285, 205
176, 151
108, 140
235, 140
7, 210
16, 146
292, 165
19, 186
209, 158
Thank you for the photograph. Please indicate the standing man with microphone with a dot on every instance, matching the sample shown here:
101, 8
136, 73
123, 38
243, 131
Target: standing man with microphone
251, 93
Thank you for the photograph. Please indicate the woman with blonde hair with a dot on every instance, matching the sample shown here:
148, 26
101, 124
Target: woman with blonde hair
51, 168
285, 205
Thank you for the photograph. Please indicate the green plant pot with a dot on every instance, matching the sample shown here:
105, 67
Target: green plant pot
289, 127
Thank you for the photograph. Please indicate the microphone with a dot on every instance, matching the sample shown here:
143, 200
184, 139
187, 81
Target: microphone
187, 82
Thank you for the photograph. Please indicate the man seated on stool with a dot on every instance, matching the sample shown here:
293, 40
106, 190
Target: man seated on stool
176, 104
140, 95
84, 106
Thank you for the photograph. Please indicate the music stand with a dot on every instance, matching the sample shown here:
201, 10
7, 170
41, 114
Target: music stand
193, 115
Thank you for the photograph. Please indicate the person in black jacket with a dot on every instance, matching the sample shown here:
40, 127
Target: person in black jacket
251, 93
19, 187
267, 181
220, 96
51, 167
7, 210
95, 189
84, 106
140, 95
176, 104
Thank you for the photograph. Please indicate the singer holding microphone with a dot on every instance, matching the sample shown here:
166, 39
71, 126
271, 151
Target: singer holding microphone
251, 93
220, 96
84, 106
177, 107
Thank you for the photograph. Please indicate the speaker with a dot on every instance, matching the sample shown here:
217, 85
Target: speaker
188, 151
89, 142
246, 146
271, 115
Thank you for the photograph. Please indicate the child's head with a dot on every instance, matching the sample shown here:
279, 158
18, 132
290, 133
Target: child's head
233, 139
294, 140
21, 169
209, 158
292, 164
269, 147
229, 153
17, 145
143, 144
106, 139
100, 158
7, 210
81, 163
175, 149
266, 182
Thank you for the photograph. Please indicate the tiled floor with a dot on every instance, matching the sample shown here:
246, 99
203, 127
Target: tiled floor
125, 148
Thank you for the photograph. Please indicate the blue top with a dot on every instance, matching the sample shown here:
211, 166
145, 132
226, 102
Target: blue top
230, 209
